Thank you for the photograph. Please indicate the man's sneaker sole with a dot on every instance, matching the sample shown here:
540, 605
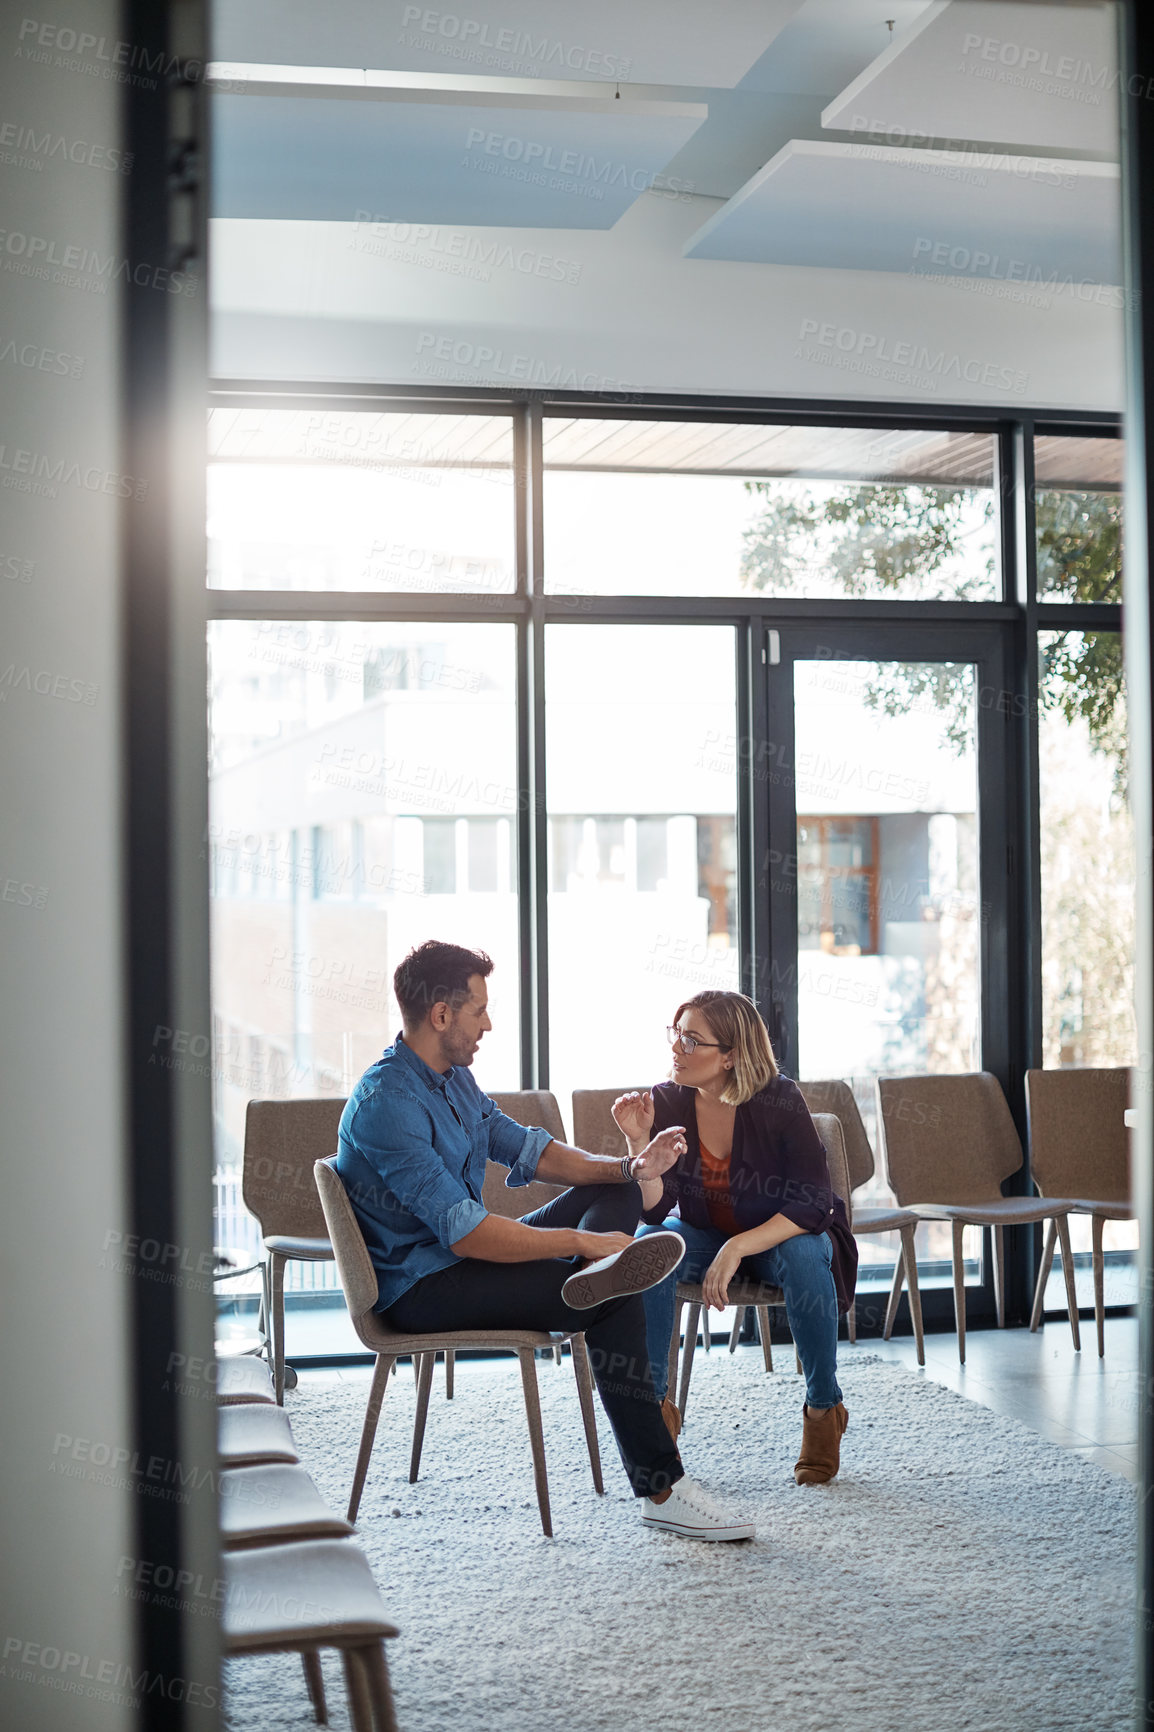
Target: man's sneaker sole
641, 1265
687, 1531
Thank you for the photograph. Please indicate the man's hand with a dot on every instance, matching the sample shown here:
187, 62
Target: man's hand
720, 1273
633, 1116
598, 1245
662, 1153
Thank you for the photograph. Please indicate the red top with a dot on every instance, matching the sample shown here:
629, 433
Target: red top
718, 1196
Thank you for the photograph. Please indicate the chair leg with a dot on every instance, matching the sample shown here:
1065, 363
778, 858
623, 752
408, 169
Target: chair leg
895, 1295
1044, 1268
960, 1291
674, 1349
536, 1435
357, 1689
1063, 1226
369, 1431
556, 1353
999, 1237
376, 1667
738, 1319
1097, 1223
762, 1313
314, 1678
910, 1259
687, 1352
424, 1387
706, 1331
851, 1321
450, 1366
276, 1265
797, 1361
584, 1378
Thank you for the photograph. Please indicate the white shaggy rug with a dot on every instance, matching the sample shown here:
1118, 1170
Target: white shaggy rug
961, 1573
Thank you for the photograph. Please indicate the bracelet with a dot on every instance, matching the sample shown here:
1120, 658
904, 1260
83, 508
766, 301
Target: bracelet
627, 1168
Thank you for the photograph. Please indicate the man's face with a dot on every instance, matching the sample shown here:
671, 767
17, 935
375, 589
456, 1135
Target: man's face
462, 1036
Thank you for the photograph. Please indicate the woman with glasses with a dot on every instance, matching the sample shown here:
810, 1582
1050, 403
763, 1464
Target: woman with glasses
753, 1193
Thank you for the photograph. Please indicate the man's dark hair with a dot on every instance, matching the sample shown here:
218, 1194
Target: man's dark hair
436, 973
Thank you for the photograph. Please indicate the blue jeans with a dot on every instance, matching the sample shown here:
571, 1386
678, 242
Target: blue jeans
799, 1266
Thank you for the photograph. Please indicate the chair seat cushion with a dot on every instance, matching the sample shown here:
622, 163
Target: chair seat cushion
1000, 1212
250, 1433
300, 1596
1099, 1206
261, 1504
243, 1378
304, 1250
881, 1219
376, 1334
740, 1293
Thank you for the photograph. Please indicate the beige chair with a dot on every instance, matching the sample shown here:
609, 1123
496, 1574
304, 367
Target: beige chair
273, 1504
359, 1281
743, 1293
282, 1139
1080, 1151
949, 1141
242, 1379
252, 1434
838, 1098
300, 1598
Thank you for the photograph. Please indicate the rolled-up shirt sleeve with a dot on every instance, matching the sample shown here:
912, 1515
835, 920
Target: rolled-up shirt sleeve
398, 1145
518, 1147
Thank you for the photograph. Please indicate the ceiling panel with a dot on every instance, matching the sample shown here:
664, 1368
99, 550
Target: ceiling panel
641, 42
403, 149
1024, 220
1026, 74
1065, 462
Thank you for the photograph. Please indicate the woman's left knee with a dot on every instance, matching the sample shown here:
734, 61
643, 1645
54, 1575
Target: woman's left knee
807, 1253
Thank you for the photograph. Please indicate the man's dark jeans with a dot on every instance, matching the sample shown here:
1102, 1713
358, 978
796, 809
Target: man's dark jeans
473, 1294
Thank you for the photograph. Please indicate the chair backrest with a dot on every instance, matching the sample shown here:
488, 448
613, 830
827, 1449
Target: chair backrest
354, 1265
837, 1097
829, 1129
1079, 1144
593, 1127
527, 1107
282, 1141
946, 1139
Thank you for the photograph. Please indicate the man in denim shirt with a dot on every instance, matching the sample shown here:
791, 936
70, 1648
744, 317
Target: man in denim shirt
415, 1139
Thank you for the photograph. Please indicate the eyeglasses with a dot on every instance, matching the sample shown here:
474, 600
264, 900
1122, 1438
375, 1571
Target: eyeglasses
689, 1043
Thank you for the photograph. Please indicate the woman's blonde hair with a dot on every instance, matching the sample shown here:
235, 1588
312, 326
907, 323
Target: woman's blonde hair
736, 1022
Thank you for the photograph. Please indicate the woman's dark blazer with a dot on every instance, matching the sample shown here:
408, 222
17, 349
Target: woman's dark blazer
778, 1167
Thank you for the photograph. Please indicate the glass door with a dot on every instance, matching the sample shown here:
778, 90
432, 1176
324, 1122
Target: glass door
875, 916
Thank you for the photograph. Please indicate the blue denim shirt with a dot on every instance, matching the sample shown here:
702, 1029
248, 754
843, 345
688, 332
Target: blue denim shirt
412, 1151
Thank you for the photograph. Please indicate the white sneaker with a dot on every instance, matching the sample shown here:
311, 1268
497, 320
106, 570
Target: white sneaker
643, 1263
692, 1512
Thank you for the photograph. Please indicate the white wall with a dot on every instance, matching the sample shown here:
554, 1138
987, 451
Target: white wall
623, 311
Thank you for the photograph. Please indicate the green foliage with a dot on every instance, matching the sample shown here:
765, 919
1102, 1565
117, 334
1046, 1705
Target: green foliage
878, 540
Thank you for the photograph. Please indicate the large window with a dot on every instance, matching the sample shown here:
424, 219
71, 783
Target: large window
644, 700
643, 798
636, 507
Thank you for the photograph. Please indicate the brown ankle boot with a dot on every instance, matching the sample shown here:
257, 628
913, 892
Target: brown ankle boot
820, 1445
672, 1417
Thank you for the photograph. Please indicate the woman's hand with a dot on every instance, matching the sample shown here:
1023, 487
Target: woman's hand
663, 1152
720, 1273
633, 1116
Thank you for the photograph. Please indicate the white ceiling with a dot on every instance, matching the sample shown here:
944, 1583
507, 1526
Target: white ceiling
461, 119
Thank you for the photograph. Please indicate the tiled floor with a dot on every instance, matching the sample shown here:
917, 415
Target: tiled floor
1085, 1403
1077, 1400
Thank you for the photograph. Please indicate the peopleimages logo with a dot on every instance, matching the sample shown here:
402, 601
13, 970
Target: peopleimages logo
869, 352
476, 39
